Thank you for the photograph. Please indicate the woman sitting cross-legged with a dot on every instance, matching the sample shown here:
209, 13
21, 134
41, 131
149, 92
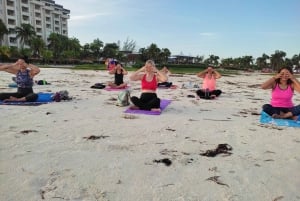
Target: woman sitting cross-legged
149, 77
24, 73
209, 90
283, 85
119, 73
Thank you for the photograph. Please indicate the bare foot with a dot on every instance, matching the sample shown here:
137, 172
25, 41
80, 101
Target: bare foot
295, 118
10, 99
276, 116
134, 107
156, 109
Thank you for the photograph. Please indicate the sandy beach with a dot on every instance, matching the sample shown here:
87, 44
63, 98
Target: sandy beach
45, 152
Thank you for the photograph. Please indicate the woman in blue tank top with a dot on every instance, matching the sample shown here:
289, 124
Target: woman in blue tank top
24, 73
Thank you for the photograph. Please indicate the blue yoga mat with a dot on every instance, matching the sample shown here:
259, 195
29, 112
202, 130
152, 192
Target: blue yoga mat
267, 119
163, 104
43, 98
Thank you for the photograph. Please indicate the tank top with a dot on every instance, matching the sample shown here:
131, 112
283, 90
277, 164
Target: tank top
23, 79
209, 83
152, 85
119, 78
282, 97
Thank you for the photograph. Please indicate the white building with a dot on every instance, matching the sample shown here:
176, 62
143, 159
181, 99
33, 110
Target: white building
44, 15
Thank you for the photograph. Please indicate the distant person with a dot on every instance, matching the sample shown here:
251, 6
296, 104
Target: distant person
24, 72
167, 72
149, 77
119, 73
283, 85
111, 64
208, 90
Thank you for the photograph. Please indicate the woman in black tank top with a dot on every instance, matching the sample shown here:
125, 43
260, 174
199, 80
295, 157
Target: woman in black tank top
119, 73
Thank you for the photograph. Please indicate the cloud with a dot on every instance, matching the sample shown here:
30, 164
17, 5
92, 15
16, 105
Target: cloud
88, 16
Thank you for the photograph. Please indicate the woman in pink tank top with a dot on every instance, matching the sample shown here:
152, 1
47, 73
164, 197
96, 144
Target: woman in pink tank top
283, 85
209, 90
149, 77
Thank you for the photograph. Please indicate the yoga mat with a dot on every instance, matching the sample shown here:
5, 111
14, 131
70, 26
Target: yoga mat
171, 87
163, 104
115, 89
267, 119
43, 98
12, 85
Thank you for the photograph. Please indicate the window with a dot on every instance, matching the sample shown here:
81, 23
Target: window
10, 12
10, 3
12, 40
25, 17
11, 22
25, 9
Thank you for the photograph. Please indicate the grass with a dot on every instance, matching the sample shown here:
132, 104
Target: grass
177, 69
174, 69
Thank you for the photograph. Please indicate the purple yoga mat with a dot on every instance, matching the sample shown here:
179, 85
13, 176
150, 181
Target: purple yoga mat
163, 104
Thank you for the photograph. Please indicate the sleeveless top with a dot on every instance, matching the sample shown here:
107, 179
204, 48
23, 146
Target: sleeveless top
209, 83
152, 85
282, 97
119, 78
23, 79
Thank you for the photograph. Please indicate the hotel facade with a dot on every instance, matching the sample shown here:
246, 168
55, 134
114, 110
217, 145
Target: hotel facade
44, 15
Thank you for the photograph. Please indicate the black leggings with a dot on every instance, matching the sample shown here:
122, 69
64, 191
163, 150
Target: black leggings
22, 92
270, 110
207, 94
147, 101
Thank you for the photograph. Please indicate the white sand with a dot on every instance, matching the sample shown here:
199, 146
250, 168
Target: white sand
56, 163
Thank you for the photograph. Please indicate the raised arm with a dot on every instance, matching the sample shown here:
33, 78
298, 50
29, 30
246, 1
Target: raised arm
137, 75
216, 74
9, 68
34, 70
202, 73
296, 83
270, 83
124, 71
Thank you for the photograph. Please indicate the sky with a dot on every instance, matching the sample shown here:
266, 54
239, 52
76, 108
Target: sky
225, 28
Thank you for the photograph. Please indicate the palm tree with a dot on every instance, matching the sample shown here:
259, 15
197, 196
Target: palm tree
110, 50
4, 52
277, 59
3, 31
261, 62
37, 45
153, 52
165, 53
25, 33
95, 47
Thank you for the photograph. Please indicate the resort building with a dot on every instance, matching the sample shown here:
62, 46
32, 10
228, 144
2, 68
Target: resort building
44, 15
